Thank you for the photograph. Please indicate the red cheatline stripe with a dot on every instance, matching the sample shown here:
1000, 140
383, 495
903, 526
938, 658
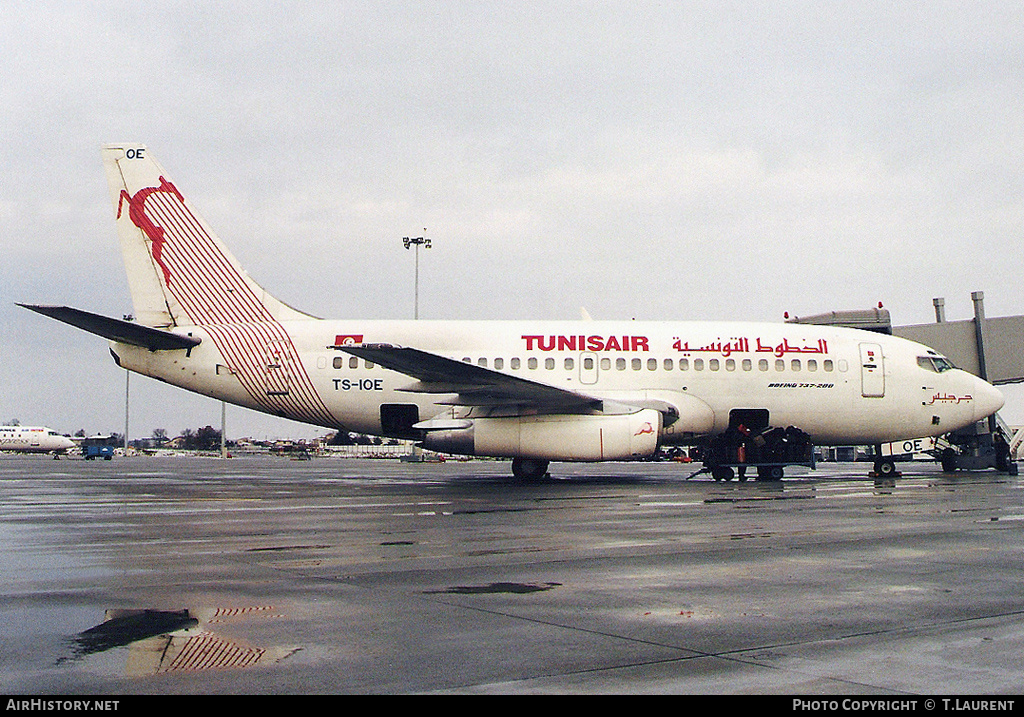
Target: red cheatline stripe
197, 262
183, 252
180, 282
246, 350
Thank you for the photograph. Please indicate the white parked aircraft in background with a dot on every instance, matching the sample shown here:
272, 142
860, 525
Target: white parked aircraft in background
33, 439
527, 390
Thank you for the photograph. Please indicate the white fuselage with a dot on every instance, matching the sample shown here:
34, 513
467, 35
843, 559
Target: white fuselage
33, 439
841, 386
527, 390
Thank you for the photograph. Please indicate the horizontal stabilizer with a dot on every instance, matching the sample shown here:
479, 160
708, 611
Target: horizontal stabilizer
125, 332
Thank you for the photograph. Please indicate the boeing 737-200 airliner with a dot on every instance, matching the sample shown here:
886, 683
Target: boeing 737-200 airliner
532, 391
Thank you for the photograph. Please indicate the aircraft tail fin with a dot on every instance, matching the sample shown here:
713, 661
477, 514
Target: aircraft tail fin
179, 272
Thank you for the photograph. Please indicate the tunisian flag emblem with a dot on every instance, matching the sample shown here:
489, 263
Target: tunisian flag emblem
348, 339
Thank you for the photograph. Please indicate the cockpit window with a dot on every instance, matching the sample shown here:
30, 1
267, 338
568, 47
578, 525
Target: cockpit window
938, 364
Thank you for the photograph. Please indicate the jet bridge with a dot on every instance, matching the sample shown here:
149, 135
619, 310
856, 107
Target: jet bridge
988, 348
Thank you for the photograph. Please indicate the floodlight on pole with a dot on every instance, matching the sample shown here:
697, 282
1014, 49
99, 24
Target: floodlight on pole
417, 242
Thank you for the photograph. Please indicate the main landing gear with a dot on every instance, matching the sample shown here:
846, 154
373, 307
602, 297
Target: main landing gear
529, 468
770, 472
766, 450
885, 468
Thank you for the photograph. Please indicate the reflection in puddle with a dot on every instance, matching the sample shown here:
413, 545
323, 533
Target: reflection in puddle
885, 486
123, 627
175, 640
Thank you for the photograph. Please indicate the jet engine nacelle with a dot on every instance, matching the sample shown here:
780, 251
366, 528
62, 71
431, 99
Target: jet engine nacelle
555, 437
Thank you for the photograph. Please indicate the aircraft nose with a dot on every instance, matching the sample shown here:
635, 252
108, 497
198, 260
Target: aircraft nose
987, 399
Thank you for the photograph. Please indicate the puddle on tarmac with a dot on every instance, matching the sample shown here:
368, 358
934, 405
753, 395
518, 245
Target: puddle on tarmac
492, 588
175, 640
123, 627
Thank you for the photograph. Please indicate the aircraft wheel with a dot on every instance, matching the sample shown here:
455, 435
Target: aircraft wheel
885, 468
949, 461
529, 468
722, 473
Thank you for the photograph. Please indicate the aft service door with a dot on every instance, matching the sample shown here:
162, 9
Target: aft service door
872, 371
277, 380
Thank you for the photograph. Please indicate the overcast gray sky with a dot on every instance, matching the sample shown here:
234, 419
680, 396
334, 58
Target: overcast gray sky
650, 160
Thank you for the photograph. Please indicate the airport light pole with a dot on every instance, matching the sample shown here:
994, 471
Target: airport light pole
127, 393
223, 429
416, 241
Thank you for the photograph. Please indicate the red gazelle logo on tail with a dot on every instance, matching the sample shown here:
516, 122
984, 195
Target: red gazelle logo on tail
137, 213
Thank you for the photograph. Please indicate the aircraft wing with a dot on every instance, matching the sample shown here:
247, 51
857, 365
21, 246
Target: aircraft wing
475, 385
